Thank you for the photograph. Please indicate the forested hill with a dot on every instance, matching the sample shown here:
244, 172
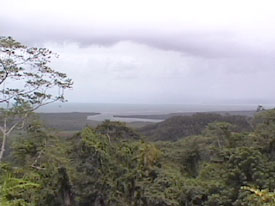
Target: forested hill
182, 126
248, 113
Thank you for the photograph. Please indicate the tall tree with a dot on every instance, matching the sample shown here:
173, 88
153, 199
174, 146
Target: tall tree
28, 82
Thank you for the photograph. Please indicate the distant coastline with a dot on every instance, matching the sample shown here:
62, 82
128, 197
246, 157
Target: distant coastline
75, 121
74, 116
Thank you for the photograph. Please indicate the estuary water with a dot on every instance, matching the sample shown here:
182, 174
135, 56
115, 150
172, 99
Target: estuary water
107, 111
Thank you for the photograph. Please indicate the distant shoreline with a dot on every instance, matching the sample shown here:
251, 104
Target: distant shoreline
68, 113
141, 116
75, 121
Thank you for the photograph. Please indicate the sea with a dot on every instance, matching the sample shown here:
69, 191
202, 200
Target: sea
108, 110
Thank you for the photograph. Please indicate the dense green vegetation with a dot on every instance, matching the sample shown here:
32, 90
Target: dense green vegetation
113, 165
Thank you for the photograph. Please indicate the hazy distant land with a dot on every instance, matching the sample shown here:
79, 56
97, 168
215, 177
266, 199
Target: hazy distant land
71, 121
75, 121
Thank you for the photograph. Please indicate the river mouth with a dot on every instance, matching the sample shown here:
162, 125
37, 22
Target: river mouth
151, 113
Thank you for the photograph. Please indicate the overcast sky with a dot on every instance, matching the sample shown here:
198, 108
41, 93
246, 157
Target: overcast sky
154, 51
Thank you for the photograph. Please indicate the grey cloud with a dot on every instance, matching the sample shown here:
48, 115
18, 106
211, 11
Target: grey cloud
132, 73
153, 63
208, 44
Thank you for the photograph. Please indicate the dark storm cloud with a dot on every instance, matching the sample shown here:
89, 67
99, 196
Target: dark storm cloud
209, 44
200, 31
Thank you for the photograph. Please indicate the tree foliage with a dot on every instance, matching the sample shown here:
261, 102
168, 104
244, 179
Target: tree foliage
28, 82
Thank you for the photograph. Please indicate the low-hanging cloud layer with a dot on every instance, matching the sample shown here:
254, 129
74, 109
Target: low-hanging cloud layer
154, 51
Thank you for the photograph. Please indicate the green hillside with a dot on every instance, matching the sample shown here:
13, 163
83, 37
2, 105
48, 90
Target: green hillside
177, 127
